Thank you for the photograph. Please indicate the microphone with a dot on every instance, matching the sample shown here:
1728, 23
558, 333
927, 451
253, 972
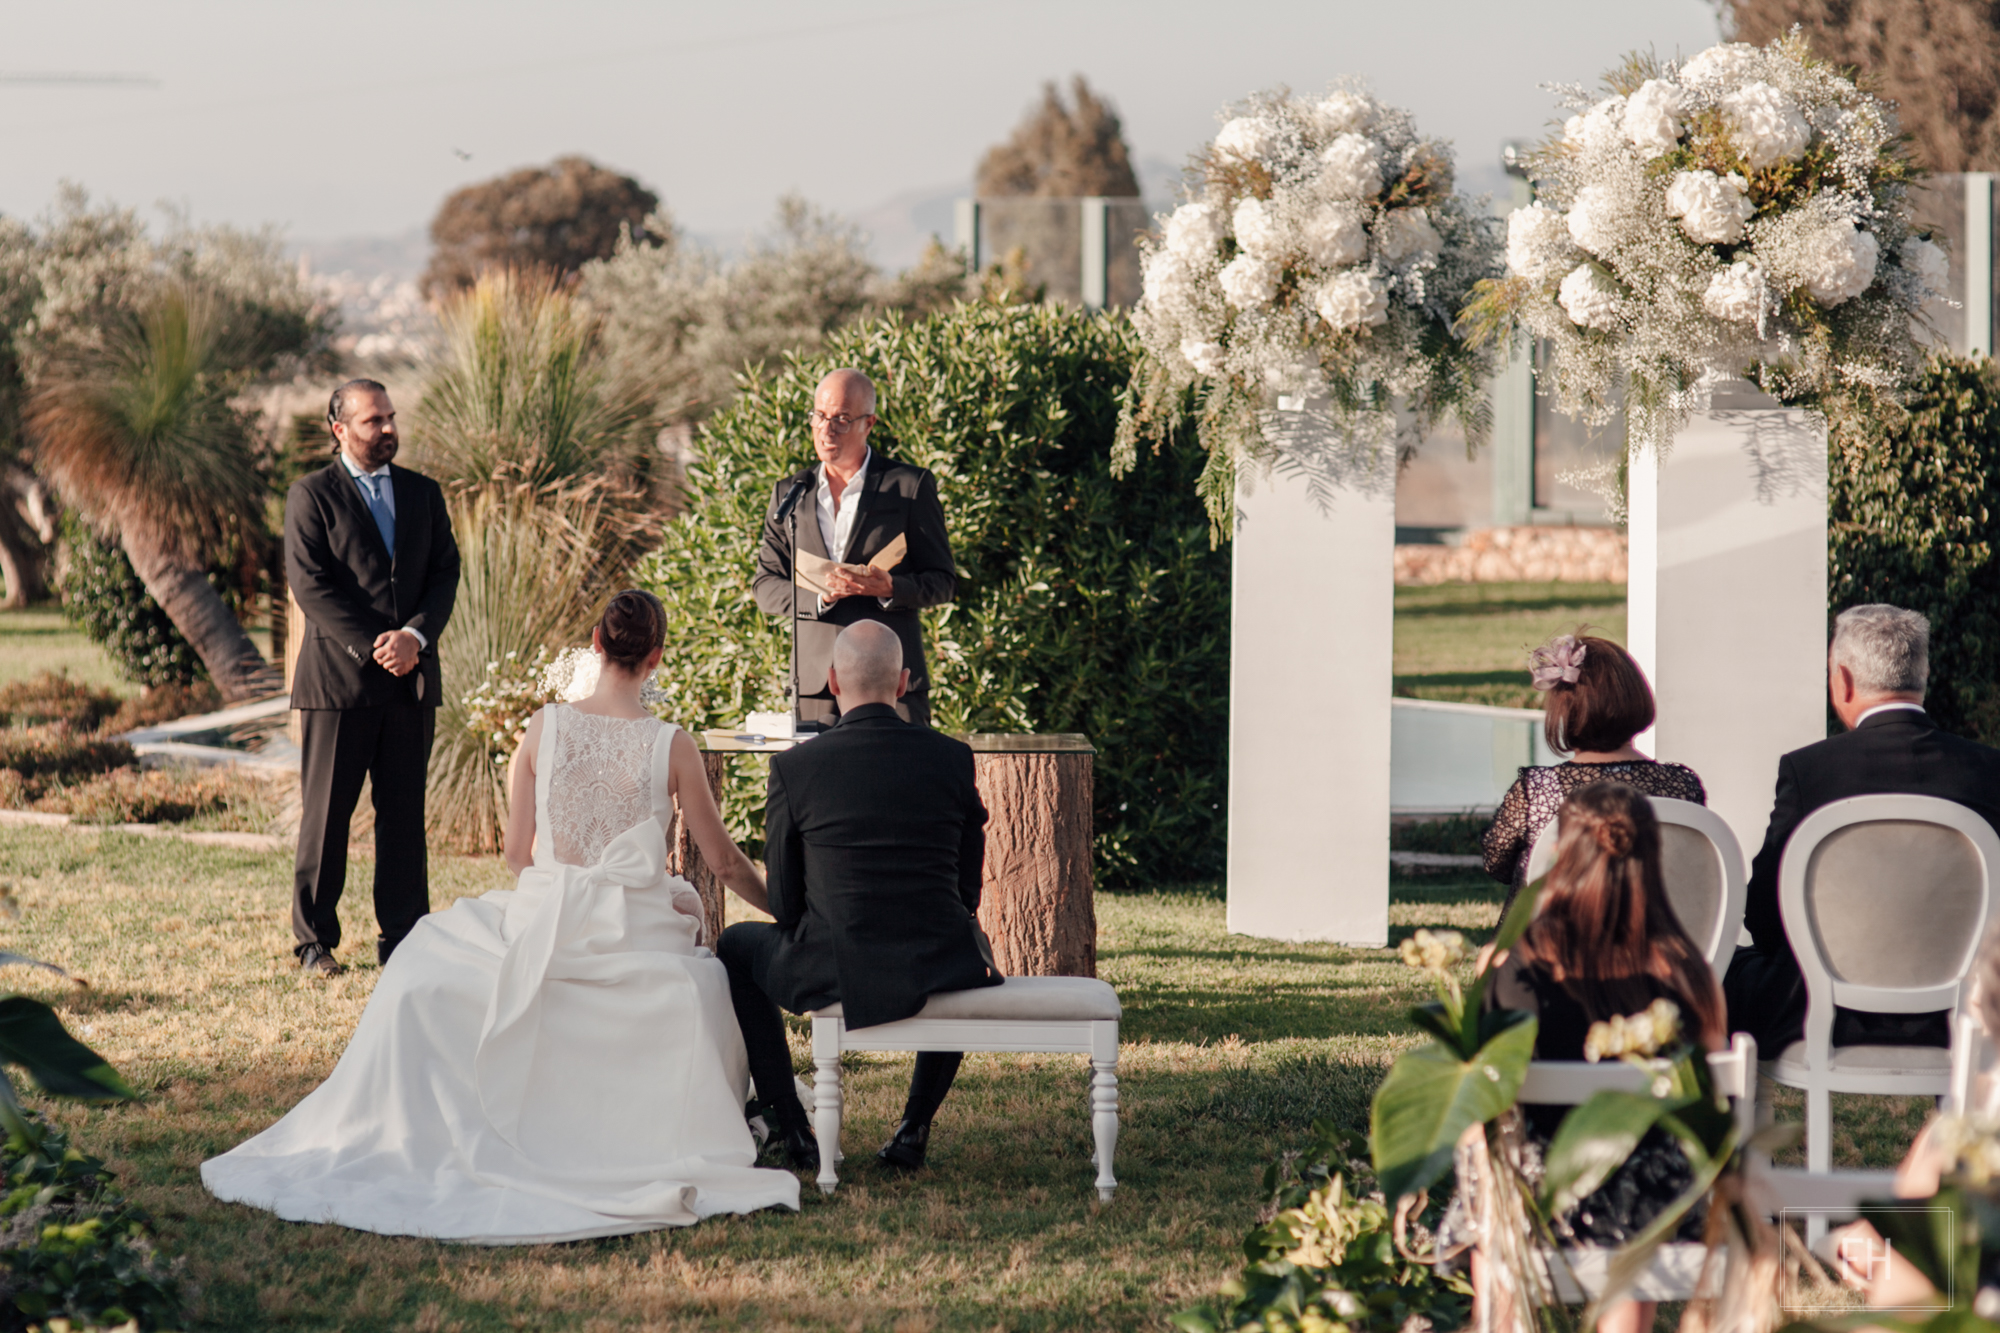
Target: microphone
799, 484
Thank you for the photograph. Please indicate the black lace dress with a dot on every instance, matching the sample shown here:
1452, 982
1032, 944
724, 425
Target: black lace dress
1538, 793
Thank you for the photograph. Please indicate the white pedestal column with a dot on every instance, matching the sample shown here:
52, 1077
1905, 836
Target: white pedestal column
1727, 602
1312, 636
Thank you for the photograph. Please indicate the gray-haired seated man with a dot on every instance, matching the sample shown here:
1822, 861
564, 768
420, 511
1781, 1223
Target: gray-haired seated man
1877, 671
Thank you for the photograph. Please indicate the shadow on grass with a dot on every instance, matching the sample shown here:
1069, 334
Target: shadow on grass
1569, 598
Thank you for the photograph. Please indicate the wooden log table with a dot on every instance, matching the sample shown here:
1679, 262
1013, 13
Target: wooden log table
1036, 897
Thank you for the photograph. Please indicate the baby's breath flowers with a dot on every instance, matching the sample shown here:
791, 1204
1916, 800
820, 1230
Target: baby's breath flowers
1653, 1029
1741, 214
509, 691
1325, 256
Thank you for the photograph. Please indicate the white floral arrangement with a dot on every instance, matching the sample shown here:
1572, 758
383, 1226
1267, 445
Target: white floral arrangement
1323, 256
512, 689
1740, 214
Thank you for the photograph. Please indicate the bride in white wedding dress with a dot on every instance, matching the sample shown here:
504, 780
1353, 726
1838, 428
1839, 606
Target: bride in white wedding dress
558, 1060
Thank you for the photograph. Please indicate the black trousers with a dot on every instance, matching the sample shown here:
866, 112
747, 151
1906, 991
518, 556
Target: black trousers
745, 949
912, 707
391, 747
1766, 997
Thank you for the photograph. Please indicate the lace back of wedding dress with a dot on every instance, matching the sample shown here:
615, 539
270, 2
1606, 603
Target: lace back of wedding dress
599, 781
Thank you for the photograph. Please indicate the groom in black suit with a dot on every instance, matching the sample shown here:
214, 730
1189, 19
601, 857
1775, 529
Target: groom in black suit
371, 560
875, 840
1877, 670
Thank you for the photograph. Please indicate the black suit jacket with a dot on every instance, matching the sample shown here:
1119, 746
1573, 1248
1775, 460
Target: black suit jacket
352, 589
896, 499
1901, 751
875, 840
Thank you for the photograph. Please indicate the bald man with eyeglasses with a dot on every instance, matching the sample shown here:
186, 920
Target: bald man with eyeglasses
848, 508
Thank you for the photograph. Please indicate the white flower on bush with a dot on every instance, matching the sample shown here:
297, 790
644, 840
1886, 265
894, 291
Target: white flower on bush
1727, 63
1712, 208
1765, 125
1248, 281
1334, 237
1590, 222
1653, 116
1737, 293
1926, 260
1353, 167
1257, 229
1208, 358
1167, 280
1589, 298
1194, 230
1596, 127
1247, 137
1347, 113
1840, 263
1353, 300
1405, 233
1538, 245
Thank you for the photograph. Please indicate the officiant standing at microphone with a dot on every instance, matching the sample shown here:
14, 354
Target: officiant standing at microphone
849, 509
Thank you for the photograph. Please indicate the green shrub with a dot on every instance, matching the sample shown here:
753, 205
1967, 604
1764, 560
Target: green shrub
1085, 604
53, 697
1911, 514
104, 598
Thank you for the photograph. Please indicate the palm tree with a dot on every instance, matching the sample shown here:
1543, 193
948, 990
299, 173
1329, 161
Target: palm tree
139, 436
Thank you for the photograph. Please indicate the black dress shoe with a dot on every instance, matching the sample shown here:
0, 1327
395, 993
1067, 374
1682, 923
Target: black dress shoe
802, 1149
906, 1146
318, 960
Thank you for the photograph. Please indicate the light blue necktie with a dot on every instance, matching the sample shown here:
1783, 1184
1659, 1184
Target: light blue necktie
378, 505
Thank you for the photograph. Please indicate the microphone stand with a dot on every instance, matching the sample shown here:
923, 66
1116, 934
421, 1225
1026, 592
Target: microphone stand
791, 509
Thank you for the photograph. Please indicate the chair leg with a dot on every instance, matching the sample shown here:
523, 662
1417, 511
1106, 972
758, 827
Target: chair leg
1819, 1131
1104, 1121
827, 1099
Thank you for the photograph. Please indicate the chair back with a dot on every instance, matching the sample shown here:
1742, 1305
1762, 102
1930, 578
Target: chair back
1885, 899
1702, 866
1570, 1082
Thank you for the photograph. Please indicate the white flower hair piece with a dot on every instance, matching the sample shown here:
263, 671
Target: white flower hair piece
572, 675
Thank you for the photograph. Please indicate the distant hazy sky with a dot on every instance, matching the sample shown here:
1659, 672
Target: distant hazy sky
341, 120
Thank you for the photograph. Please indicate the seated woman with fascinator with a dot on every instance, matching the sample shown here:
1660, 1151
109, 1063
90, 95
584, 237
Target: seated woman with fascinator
1595, 700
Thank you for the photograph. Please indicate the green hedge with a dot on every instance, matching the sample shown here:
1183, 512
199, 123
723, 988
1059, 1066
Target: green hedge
103, 597
1085, 604
1911, 514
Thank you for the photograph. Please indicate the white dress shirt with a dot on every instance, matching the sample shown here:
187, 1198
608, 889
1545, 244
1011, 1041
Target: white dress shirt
1886, 708
388, 491
836, 522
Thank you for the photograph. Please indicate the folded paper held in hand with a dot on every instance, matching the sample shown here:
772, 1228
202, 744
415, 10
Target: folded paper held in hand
810, 571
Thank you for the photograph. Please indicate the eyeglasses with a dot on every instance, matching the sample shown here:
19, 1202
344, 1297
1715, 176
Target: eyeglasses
838, 425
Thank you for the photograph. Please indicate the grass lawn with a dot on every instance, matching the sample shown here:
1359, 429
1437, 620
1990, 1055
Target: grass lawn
1468, 642
37, 638
1232, 1046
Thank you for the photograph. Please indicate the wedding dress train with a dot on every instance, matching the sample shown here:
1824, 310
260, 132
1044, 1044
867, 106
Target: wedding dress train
545, 1063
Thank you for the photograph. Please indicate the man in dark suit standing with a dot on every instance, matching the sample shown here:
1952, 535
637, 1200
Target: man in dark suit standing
875, 839
847, 509
371, 560
1877, 670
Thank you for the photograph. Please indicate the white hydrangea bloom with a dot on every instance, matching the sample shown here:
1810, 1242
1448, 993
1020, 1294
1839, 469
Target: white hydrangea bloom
1589, 298
1208, 358
1347, 113
1257, 229
1713, 209
1737, 293
1841, 263
1728, 63
1927, 260
1166, 279
1195, 229
1353, 167
1405, 233
1538, 245
1596, 127
1248, 281
1335, 237
1590, 224
1353, 300
1247, 137
1765, 125
1653, 116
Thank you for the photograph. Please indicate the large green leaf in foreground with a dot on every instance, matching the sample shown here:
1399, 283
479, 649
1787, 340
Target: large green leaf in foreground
32, 1037
1431, 1097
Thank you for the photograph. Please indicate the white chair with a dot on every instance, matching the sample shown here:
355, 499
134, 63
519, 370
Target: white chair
1884, 900
1676, 1268
1039, 1014
1702, 866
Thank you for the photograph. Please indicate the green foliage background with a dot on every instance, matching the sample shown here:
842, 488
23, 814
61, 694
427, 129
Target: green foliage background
1085, 604
103, 597
1911, 513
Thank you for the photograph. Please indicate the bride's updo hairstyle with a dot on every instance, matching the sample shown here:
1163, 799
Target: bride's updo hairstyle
1594, 697
632, 626
1604, 926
